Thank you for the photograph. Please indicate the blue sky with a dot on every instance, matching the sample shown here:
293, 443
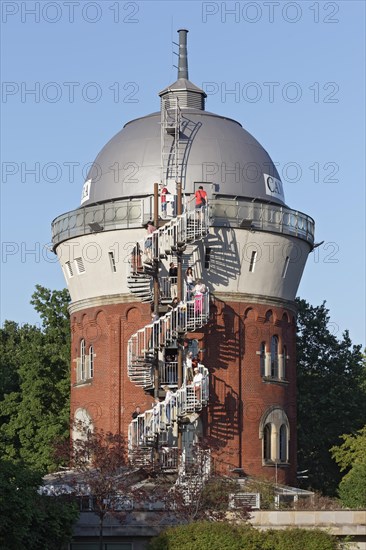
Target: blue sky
297, 80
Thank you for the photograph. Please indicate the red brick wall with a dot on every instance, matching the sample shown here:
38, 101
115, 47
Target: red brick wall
110, 398
238, 395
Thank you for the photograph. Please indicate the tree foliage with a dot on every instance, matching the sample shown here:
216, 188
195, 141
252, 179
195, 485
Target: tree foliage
331, 387
31, 521
352, 488
352, 451
351, 456
224, 536
196, 493
34, 394
201, 535
114, 481
100, 464
99, 458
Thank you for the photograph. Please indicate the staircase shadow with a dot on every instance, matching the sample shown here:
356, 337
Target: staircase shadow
223, 410
225, 337
224, 261
188, 132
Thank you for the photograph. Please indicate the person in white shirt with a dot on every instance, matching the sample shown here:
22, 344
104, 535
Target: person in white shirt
197, 383
189, 283
188, 372
167, 402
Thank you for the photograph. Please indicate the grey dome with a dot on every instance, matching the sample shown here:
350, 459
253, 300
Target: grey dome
216, 150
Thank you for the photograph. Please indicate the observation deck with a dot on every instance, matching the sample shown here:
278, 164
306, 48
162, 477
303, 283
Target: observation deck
223, 212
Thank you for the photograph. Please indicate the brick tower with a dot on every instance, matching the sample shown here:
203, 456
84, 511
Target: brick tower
248, 249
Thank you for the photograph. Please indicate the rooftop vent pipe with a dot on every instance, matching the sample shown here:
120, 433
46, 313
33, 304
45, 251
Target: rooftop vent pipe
183, 58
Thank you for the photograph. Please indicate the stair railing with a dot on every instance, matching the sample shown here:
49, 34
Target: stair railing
186, 400
143, 346
186, 317
182, 230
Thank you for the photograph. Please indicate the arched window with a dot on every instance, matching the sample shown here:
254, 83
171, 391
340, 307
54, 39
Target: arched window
83, 424
283, 443
91, 362
274, 357
262, 357
82, 359
267, 436
274, 430
284, 362
82, 428
269, 316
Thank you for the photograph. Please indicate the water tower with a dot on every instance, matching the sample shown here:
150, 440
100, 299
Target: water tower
247, 247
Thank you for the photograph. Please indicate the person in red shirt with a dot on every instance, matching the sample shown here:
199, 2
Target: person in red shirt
201, 198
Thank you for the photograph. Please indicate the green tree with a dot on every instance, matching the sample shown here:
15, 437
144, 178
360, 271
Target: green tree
352, 451
34, 406
331, 386
351, 455
9, 345
352, 488
29, 520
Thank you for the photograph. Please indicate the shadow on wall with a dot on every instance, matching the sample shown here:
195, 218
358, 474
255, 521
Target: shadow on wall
225, 424
224, 353
223, 262
188, 132
179, 163
224, 411
225, 337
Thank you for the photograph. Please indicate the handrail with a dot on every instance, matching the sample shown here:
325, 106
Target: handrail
262, 216
186, 228
119, 214
186, 400
186, 317
168, 373
189, 315
126, 214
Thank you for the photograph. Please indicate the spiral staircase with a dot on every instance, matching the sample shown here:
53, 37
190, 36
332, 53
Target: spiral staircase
157, 428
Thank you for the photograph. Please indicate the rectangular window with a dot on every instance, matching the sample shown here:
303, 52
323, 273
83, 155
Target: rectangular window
91, 362
262, 355
112, 261
274, 357
118, 546
252, 261
80, 265
284, 362
69, 269
283, 443
285, 267
106, 546
84, 546
207, 257
82, 360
